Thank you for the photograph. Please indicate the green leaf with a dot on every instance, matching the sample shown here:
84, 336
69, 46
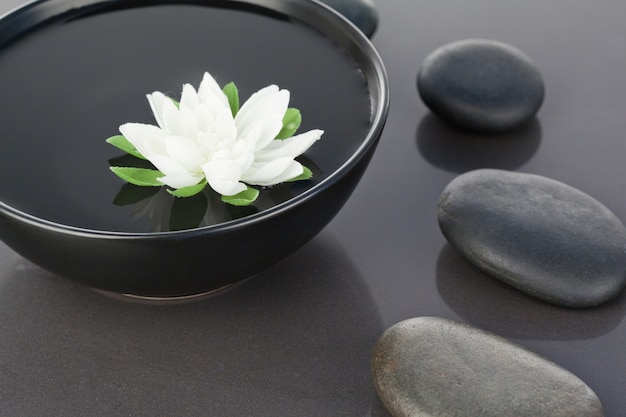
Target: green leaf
176, 103
291, 123
232, 94
127, 160
188, 191
244, 198
139, 176
122, 143
306, 175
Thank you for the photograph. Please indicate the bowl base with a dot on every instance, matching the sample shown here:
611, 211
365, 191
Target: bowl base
166, 300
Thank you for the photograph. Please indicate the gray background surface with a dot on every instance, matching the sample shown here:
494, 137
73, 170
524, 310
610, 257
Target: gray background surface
296, 339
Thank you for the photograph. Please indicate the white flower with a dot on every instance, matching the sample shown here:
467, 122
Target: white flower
200, 138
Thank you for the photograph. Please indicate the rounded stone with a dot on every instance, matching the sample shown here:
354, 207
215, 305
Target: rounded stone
481, 85
433, 367
539, 235
362, 13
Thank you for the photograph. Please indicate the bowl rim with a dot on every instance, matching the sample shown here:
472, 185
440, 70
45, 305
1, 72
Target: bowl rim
329, 22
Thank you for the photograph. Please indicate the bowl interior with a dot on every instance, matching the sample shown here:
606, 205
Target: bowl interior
72, 75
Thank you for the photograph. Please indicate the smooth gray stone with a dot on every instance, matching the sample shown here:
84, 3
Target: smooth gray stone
481, 85
362, 13
433, 367
539, 235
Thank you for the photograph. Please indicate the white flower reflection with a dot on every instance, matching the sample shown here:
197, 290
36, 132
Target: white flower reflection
200, 138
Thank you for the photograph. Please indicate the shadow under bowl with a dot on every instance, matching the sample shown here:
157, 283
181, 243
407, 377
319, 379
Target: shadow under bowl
61, 214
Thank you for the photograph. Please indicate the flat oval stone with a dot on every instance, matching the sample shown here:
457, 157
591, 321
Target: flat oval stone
481, 85
360, 12
433, 367
539, 235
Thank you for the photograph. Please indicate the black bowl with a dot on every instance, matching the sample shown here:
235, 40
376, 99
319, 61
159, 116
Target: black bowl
76, 70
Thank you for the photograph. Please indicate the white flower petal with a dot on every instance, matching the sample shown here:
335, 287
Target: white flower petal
168, 166
185, 152
148, 139
227, 187
173, 122
290, 147
189, 97
156, 101
188, 122
292, 170
265, 173
242, 147
181, 180
263, 131
225, 129
224, 175
205, 119
269, 101
211, 94
244, 160
222, 168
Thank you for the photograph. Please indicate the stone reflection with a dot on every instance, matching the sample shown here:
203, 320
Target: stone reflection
457, 151
489, 304
378, 409
362, 13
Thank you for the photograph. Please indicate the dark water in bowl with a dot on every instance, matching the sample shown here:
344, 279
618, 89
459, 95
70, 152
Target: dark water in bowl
67, 86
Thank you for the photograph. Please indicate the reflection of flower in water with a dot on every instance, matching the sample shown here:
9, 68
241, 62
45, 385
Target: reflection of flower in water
156, 208
165, 212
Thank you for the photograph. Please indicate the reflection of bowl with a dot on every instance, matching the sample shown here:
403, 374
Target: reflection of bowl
56, 198
225, 357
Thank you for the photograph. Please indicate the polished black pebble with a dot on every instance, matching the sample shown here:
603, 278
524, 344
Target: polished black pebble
362, 13
433, 367
539, 235
481, 85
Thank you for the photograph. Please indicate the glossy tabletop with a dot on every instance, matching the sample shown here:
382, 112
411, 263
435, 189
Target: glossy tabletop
296, 339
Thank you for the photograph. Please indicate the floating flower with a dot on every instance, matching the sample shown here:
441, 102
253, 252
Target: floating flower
208, 139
